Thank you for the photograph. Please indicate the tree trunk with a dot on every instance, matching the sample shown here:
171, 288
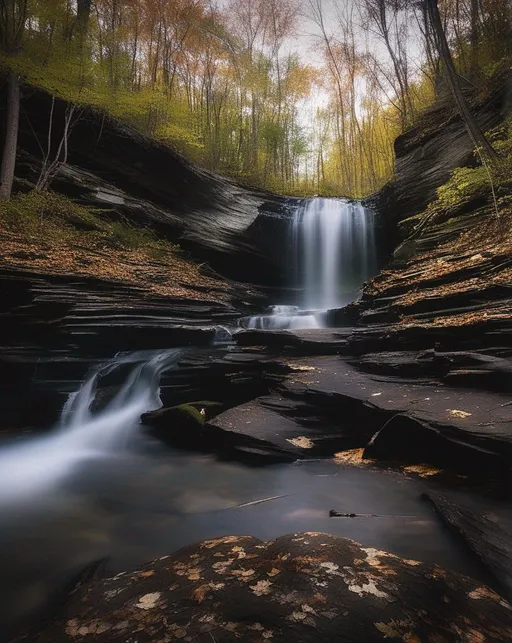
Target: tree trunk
83, 13
11, 136
474, 38
472, 127
49, 170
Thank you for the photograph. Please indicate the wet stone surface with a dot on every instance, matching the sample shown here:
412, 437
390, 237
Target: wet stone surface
304, 587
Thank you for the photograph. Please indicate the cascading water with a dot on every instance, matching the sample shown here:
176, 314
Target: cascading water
333, 252
30, 467
283, 317
335, 244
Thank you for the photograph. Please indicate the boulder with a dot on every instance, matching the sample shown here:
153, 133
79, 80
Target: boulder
302, 587
406, 439
181, 425
487, 534
192, 426
292, 427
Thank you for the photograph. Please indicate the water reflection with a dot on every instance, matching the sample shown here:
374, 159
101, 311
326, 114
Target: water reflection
148, 502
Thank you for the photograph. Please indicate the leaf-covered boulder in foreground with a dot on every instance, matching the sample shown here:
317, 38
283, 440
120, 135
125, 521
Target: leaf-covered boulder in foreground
302, 587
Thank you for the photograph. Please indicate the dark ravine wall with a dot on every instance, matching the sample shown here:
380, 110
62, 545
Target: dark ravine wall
428, 153
447, 285
113, 166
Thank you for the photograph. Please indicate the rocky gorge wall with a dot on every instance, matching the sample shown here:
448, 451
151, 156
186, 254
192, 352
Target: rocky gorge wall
57, 320
427, 153
129, 176
434, 292
447, 284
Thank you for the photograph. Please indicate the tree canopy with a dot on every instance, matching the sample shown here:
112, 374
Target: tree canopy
299, 96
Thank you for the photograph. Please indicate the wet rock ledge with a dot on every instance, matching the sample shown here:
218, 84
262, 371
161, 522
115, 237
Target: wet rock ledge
302, 587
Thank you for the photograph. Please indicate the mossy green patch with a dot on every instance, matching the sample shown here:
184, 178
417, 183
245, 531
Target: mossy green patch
49, 214
187, 415
183, 418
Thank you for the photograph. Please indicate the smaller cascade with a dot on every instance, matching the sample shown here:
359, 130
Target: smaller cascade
282, 318
35, 465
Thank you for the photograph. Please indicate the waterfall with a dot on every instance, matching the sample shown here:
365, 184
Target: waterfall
333, 252
334, 245
34, 465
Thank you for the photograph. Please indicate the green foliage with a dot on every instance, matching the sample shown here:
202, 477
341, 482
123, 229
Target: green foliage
465, 184
219, 87
50, 214
469, 184
31, 211
131, 238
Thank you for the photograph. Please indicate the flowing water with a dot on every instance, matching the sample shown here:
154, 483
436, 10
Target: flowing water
97, 486
333, 252
334, 243
32, 467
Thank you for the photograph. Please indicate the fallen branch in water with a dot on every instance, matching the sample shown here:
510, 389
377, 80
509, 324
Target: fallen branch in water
337, 514
258, 502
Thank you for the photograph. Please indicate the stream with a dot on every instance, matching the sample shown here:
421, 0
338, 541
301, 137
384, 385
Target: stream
98, 487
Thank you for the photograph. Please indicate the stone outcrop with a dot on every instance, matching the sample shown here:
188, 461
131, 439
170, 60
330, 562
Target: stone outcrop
487, 535
401, 411
302, 587
438, 143
447, 284
131, 177
54, 327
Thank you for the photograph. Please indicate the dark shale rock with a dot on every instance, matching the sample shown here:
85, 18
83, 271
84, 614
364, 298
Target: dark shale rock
302, 587
427, 153
456, 368
54, 328
466, 304
469, 431
317, 341
114, 167
203, 427
487, 534
181, 425
405, 439
232, 377
262, 421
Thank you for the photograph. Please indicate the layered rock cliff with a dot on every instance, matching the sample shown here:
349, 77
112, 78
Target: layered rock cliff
114, 167
448, 284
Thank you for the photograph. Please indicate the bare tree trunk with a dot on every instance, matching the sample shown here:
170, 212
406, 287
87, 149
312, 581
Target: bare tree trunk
11, 136
81, 23
49, 170
474, 38
83, 13
472, 127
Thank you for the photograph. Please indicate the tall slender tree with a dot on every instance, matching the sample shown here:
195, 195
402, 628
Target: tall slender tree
13, 17
477, 136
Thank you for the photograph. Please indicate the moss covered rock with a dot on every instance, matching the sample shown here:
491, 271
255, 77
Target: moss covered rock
181, 425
